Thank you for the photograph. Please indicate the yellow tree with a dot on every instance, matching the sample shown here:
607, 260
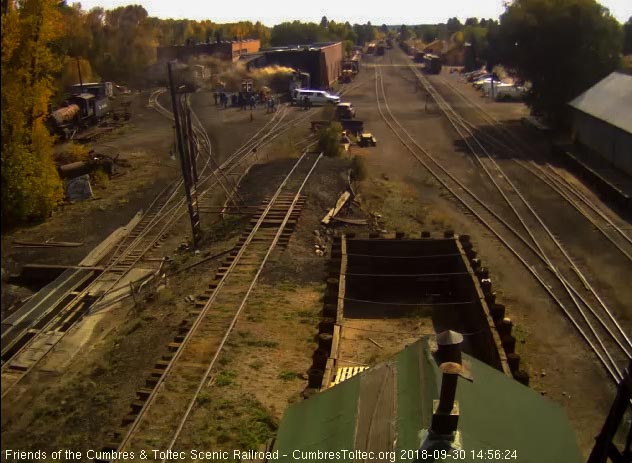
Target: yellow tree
31, 187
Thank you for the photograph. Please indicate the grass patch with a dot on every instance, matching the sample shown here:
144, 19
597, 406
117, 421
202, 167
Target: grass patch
204, 399
261, 343
359, 170
256, 365
101, 178
224, 229
135, 326
225, 360
256, 317
287, 375
225, 378
256, 427
520, 334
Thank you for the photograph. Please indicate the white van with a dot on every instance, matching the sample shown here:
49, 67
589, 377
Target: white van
316, 97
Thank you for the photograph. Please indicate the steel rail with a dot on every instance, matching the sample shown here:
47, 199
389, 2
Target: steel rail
495, 124
243, 303
564, 189
485, 223
456, 122
162, 214
134, 425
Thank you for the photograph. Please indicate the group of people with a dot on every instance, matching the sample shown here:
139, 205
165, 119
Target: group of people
244, 100
222, 98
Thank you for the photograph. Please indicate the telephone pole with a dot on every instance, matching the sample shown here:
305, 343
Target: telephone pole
186, 148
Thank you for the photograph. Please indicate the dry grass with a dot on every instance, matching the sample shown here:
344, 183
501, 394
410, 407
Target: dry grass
263, 375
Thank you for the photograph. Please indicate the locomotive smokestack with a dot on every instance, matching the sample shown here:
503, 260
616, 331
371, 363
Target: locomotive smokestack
446, 411
449, 346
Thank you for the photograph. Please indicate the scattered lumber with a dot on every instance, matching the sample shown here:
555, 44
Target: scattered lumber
46, 244
342, 200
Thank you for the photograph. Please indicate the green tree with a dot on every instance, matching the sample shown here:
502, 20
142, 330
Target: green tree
453, 25
404, 32
323, 22
297, 32
627, 37
561, 46
364, 33
31, 187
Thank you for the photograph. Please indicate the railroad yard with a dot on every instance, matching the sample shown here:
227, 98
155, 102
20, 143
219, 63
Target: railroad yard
460, 218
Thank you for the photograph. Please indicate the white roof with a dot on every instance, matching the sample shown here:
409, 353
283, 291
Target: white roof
610, 100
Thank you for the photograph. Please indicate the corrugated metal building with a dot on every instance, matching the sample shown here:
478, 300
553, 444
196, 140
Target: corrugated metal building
323, 61
227, 51
602, 119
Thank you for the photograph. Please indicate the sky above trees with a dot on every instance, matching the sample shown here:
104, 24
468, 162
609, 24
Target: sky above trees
276, 11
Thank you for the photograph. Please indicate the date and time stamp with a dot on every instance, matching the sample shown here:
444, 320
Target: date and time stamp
388, 456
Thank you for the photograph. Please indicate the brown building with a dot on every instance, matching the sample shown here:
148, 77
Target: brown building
455, 56
227, 51
438, 47
322, 61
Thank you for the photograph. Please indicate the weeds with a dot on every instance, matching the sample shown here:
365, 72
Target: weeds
261, 343
225, 378
101, 178
358, 169
256, 365
287, 375
329, 140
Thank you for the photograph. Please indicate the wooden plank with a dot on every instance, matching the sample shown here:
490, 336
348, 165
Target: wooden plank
342, 281
342, 200
335, 342
47, 244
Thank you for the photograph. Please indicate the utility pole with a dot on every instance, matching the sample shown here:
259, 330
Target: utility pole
187, 158
79, 71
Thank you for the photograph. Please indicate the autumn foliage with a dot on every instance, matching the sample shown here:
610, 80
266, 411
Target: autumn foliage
31, 187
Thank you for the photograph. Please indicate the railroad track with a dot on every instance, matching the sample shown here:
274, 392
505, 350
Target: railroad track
179, 377
505, 141
42, 337
108, 287
545, 260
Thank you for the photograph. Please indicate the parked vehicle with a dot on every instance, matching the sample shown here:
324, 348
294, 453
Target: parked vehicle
476, 75
485, 81
367, 139
508, 92
316, 97
345, 111
486, 87
352, 65
346, 76
432, 64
